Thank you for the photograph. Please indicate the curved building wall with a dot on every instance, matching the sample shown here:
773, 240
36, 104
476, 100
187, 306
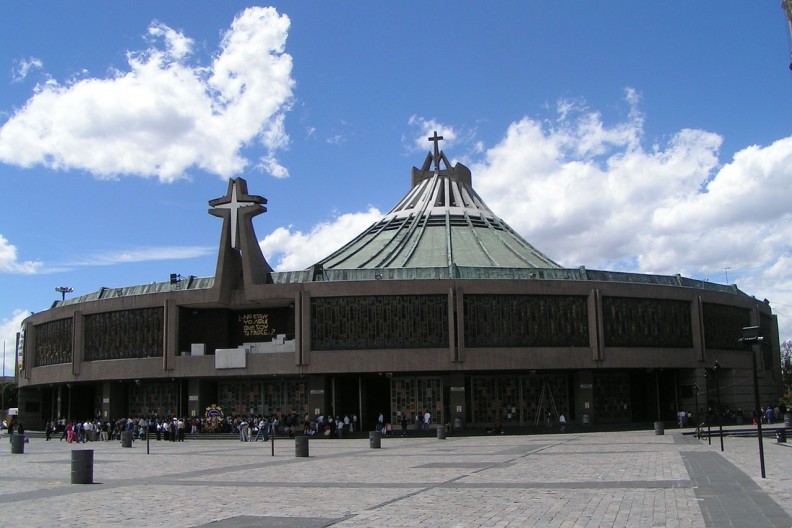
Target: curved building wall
597, 343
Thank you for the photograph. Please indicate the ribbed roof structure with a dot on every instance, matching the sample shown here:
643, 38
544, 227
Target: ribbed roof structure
440, 222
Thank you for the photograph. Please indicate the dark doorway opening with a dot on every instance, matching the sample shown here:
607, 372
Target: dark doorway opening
653, 394
83, 402
347, 397
376, 400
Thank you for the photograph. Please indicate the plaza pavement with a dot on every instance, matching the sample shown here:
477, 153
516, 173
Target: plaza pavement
633, 478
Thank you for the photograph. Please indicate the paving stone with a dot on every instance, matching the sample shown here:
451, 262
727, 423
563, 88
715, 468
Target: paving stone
633, 478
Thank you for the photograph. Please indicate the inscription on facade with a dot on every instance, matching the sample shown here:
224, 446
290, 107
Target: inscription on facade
255, 325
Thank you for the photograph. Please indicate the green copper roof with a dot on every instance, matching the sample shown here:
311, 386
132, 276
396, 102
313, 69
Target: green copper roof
440, 222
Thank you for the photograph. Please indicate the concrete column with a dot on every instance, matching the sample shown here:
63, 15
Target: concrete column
584, 396
457, 401
78, 341
316, 395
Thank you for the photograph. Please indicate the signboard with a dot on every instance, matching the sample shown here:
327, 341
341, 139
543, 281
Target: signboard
255, 325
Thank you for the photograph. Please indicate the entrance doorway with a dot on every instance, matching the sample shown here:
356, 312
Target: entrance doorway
346, 396
376, 400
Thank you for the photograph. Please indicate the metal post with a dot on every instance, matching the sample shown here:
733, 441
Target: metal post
758, 413
2, 386
706, 404
750, 336
716, 370
657, 390
696, 393
272, 430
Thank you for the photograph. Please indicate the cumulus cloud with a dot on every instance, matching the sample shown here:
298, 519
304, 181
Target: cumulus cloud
286, 249
9, 262
163, 116
424, 128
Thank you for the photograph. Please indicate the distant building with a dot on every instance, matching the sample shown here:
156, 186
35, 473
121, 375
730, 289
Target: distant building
439, 306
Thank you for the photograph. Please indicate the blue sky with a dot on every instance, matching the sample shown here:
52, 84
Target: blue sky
648, 137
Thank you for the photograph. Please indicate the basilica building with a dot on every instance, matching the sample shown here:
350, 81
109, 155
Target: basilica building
440, 306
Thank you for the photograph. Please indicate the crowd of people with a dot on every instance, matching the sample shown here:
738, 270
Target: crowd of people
96, 430
250, 427
769, 415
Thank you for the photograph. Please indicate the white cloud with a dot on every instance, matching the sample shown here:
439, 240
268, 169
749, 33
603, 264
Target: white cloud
288, 250
23, 67
178, 45
144, 255
9, 262
424, 129
163, 116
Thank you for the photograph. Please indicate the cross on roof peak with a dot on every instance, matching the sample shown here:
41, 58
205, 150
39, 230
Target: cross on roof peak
436, 140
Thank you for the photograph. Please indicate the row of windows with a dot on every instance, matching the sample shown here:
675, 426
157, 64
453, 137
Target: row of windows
422, 321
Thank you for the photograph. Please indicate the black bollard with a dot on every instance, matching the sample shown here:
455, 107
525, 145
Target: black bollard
82, 466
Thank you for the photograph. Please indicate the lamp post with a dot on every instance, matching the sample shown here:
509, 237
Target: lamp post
696, 393
706, 391
63, 290
750, 336
2, 386
716, 372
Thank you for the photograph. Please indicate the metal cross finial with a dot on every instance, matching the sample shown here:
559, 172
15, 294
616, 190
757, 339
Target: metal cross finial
436, 139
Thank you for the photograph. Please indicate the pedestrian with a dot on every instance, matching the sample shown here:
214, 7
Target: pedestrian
243, 430
404, 424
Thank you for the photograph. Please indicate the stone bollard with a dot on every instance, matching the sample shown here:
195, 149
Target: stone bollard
659, 428
301, 446
375, 439
126, 438
441, 432
18, 444
82, 466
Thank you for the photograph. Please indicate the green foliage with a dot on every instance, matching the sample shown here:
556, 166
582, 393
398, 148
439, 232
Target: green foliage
786, 372
786, 365
9, 390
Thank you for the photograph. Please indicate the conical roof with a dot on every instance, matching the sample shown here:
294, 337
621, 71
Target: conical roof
440, 222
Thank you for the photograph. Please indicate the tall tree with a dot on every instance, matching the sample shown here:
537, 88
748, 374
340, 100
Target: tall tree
786, 365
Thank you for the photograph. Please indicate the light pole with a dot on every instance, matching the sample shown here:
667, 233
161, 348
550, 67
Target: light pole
696, 393
63, 290
750, 335
716, 372
706, 391
2, 387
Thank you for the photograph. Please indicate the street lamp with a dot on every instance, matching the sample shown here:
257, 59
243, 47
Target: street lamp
696, 393
706, 391
715, 373
63, 290
750, 336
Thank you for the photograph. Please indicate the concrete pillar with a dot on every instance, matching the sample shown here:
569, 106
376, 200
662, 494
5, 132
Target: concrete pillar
584, 397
